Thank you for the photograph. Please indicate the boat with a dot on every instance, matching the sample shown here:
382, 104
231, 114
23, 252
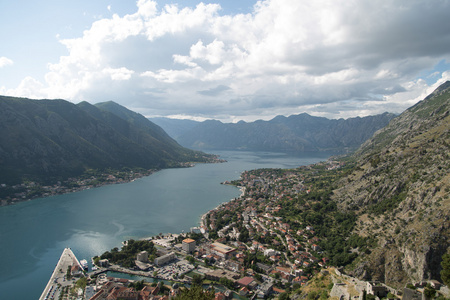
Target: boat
84, 264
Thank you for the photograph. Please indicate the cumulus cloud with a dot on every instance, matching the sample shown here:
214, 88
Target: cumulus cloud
4, 61
333, 58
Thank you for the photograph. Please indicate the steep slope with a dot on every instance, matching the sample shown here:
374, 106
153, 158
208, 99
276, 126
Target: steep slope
295, 133
174, 127
51, 140
156, 137
401, 190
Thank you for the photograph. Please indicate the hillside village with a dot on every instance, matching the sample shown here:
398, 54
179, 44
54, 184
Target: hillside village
246, 249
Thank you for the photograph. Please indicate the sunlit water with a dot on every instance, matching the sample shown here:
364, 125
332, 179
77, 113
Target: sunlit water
33, 234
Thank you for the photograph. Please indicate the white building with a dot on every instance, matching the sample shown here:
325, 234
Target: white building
159, 261
142, 256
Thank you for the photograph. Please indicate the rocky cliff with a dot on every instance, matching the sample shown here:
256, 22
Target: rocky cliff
400, 190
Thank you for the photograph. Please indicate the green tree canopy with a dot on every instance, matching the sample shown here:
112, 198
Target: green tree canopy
195, 293
445, 264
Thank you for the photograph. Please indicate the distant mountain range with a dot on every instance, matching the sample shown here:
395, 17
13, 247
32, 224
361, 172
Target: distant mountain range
50, 140
296, 133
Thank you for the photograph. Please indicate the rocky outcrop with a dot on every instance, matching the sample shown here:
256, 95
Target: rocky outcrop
400, 188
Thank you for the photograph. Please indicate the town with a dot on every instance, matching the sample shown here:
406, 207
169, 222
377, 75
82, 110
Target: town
10, 194
248, 248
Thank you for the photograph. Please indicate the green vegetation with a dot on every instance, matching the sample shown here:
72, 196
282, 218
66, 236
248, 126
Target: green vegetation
69, 272
197, 280
429, 292
445, 264
195, 293
127, 255
137, 285
81, 283
190, 259
51, 141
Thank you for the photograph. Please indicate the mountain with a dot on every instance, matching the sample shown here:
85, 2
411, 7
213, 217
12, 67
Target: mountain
400, 191
51, 140
297, 133
175, 127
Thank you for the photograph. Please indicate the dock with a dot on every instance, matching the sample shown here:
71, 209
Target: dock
67, 259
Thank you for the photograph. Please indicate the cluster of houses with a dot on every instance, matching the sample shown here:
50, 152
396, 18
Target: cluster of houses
289, 251
110, 288
290, 256
29, 190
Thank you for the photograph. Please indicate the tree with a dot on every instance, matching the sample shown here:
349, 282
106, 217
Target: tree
195, 293
81, 283
429, 292
445, 264
284, 296
197, 280
69, 272
227, 282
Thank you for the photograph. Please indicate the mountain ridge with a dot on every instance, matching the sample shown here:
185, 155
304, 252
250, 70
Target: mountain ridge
51, 140
296, 133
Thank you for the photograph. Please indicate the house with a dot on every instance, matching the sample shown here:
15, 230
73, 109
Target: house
264, 267
245, 281
76, 271
265, 289
220, 296
222, 250
277, 290
243, 291
269, 252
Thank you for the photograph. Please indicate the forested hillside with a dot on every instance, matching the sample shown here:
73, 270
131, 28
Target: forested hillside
50, 140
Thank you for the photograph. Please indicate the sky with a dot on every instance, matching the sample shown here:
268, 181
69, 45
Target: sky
228, 60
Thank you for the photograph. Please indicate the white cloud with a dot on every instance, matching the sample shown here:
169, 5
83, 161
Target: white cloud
4, 61
119, 74
333, 58
28, 87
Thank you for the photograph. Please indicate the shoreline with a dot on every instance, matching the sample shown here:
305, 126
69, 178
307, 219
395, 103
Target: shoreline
62, 188
29, 191
203, 216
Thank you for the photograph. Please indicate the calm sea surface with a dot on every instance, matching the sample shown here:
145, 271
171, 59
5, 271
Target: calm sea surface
33, 234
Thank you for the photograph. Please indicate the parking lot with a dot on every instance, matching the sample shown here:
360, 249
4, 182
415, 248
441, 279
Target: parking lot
58, 281
174, 269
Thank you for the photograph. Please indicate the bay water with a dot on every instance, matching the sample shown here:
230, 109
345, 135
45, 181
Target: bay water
34, 233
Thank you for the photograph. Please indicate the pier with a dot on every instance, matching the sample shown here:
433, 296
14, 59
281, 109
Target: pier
67, 259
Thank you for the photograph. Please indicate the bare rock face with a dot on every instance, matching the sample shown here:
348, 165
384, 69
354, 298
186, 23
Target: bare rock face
400, 190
